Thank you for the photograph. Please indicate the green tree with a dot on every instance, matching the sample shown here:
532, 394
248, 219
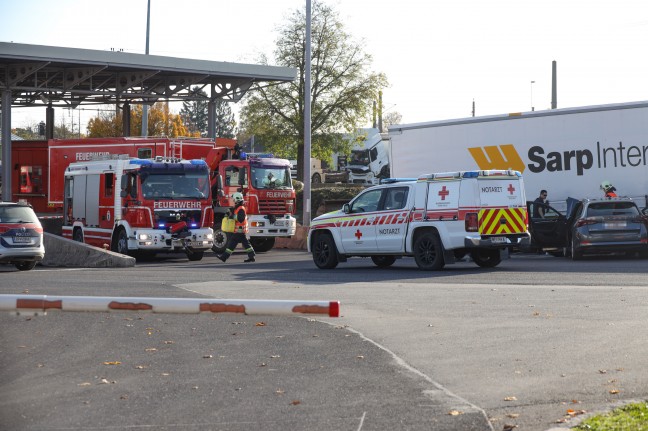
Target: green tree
342, 90
195, 116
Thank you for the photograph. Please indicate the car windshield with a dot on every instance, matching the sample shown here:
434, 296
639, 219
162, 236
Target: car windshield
17, 214
271, 178
599, 209
175, 186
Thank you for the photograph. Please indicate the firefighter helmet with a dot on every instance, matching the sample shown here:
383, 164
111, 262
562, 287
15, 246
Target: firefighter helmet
238, 197
607, 186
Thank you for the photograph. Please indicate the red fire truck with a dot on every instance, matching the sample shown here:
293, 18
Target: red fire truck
40, 167
140, 206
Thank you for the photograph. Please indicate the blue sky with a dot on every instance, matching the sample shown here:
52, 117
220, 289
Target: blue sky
438, 55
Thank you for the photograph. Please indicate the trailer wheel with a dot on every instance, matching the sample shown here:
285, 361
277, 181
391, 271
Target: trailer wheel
325, 252
383, 261
316, 178
77, 235
220, 241
486, 258
428, 252
120, 243
262, 244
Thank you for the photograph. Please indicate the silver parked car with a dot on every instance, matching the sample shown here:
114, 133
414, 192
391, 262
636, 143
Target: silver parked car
612, 225
21, 236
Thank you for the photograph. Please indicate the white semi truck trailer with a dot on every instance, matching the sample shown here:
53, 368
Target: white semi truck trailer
569, 152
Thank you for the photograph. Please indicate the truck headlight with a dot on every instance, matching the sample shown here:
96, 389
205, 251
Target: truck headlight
145, 237
209, 236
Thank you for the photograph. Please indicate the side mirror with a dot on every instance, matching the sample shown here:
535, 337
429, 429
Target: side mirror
346, 208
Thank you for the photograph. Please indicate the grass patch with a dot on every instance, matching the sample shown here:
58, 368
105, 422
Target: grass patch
632, 417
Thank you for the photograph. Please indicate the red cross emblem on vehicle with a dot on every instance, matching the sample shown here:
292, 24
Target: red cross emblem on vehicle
510, 188
443, 193
358, 234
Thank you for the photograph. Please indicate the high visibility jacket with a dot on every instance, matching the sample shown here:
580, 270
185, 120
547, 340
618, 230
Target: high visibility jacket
610, 195
240, 226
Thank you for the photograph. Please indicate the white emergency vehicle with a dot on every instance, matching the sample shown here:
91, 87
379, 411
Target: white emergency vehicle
437, 219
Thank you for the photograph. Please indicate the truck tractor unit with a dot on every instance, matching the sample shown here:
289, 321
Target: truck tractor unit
140, 206
369, 161
269, 196
437, 219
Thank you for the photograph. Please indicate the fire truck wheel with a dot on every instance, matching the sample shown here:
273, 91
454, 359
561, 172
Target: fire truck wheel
428, 251
486, 258
220, 241
120, 244
383, 261
261, 245
78, 235
195, 255
325, 252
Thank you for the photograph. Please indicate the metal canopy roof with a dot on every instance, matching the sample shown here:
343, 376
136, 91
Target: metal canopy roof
37, 74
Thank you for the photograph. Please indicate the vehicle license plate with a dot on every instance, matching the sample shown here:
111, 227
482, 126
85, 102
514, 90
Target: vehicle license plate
22, 239
614, 224
498, 239
279, 223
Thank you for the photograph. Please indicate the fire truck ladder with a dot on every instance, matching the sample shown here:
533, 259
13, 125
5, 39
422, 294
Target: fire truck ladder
176, 150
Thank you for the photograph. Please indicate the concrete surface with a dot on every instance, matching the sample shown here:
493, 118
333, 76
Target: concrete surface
61, 251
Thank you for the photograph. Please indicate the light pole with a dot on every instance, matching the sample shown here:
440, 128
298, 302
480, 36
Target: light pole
532, 108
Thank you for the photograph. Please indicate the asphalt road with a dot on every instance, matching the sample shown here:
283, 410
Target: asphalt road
528, 344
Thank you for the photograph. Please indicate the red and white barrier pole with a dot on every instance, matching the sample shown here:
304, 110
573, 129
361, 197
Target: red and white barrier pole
35, 304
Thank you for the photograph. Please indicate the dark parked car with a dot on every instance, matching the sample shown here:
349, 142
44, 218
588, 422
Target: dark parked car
21, 236
591, 226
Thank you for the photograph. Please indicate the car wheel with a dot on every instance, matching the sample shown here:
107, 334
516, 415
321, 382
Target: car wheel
428, 252
576, 254
220, 241
78, 235
325, 252
261, 245
486, 258
25, 266
120, 244
383, 261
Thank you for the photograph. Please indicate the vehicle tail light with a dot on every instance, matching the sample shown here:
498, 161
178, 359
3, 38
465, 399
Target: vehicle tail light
3, 229
584, 221
472, 224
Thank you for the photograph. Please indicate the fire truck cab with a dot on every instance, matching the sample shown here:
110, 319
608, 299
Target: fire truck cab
269, 197
140, 206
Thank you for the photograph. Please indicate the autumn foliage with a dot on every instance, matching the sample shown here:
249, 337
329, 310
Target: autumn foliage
160, 123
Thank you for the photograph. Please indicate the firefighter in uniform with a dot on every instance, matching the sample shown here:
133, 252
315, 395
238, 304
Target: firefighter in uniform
240, 231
